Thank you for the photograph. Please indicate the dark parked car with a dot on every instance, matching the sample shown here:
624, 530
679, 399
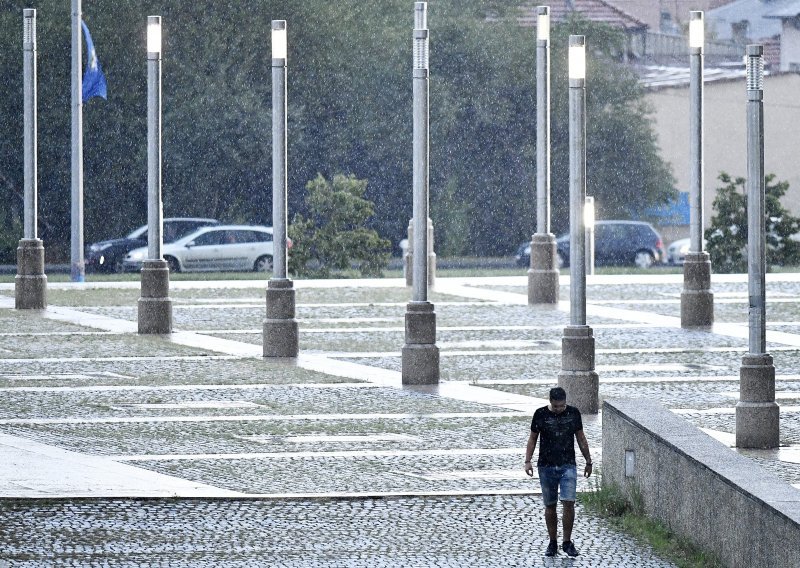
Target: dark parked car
108, 256
615, 243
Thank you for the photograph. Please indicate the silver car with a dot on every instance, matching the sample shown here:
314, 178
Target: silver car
215, 248
677, 251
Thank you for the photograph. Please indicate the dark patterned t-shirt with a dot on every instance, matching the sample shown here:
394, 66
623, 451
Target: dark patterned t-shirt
556, 435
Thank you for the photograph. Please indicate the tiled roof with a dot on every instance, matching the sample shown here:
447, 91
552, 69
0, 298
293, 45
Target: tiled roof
594, 10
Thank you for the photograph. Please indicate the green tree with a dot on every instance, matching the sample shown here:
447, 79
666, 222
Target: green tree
625, 172
727, 236
335, 237
349, 105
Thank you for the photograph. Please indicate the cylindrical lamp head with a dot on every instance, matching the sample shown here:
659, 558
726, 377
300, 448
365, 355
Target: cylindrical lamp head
279, 47
420, 15
29, 26
588, 212
696, 30
543, 23
421, 35
153, 34
577, 57
755, 67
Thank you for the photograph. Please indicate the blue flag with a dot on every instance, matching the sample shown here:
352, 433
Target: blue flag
94, 82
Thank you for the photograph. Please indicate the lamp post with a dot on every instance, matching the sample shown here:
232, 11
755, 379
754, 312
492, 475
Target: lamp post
697, 300
281, 335
155, 307
420, 356
30, 283
77, 266
588, 221
578, 376
543, 272
757, 414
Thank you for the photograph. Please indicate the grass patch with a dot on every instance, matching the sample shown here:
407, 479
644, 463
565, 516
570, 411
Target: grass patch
492, 268
609, 503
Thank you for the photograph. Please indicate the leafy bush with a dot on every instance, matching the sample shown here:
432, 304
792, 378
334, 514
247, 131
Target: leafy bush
727, 235
335, 236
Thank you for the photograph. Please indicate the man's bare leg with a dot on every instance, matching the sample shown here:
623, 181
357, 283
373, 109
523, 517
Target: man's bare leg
551, 520
568, 519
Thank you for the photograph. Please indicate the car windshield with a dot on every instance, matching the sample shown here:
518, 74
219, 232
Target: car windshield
138, 233
172, 231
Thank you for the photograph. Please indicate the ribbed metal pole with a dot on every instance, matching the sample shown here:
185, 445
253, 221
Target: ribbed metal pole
420, 153
77, 269
756, 235
757, 413
577, 193
543, 126
279, 161
29, 121
696, 144
420, 356
154, 207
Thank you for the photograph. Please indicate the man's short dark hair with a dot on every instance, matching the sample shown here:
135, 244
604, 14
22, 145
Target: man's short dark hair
557, 393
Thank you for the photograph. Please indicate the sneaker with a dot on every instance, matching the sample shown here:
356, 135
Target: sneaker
552, 549
569, 548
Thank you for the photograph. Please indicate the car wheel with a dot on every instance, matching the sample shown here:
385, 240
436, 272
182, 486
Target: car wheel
173, 264
643, 259
263, 264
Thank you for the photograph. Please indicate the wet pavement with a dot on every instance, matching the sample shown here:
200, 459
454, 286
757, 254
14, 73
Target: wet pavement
123, 450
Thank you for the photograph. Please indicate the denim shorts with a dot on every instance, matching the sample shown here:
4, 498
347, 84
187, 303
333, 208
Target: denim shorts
558, 479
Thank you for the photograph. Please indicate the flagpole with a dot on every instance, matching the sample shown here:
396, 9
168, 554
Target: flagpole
77, 270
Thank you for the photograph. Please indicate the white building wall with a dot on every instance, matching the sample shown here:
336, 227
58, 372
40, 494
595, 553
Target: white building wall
790, 46
725, 133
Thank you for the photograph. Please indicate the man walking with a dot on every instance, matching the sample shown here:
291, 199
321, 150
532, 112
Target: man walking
558, 425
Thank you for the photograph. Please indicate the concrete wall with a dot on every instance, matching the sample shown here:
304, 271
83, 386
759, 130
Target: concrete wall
725, 133
699, 488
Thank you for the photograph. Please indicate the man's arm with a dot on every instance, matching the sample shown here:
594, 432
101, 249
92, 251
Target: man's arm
584, 446
529, 452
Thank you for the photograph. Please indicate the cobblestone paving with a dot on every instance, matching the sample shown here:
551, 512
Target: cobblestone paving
469, 531
14, 322
287, 400
67, 346
251, 316
272, 428
155, 371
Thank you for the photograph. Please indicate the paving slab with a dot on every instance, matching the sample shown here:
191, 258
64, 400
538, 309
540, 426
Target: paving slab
32, 470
